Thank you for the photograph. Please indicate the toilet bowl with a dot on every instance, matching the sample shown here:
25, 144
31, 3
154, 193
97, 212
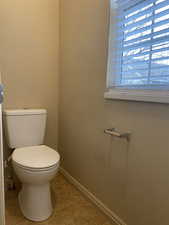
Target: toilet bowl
34, 163
35, 167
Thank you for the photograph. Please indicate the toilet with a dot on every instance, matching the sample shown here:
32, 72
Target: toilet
34, 163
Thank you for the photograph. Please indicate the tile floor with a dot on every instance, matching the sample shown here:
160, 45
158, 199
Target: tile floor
70, 208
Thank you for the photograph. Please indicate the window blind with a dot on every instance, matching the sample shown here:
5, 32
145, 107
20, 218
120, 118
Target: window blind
143, 43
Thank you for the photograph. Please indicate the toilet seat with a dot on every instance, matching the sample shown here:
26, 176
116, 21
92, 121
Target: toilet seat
45, 169
36, 158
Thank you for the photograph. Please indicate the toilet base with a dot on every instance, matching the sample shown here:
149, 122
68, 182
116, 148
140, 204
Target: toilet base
35, 201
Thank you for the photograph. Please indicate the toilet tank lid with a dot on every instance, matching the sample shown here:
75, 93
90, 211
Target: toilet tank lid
20, 112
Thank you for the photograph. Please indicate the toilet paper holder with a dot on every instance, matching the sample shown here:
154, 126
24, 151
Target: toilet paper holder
115, 133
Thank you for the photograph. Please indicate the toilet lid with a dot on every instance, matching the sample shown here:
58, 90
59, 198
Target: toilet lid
36, 156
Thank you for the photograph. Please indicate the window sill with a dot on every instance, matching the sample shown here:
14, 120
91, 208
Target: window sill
138, 95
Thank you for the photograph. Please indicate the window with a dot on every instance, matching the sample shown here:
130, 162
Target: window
138, 64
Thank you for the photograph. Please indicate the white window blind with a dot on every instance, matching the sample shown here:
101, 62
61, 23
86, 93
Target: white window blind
139, 55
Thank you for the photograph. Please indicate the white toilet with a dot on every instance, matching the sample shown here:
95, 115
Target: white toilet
34, 164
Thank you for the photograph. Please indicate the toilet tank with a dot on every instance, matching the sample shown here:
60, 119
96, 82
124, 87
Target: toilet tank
24, 127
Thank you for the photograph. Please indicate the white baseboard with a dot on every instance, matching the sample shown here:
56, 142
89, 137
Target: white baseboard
92, 198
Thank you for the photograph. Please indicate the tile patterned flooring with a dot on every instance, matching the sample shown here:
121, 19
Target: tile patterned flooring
70, 208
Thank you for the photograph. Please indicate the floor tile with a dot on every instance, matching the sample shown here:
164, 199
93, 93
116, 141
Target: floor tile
70, 207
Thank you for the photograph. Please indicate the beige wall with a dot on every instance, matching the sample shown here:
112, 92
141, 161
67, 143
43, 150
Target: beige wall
29, 57
132, 180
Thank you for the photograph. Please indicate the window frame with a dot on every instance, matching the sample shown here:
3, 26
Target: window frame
126, 93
